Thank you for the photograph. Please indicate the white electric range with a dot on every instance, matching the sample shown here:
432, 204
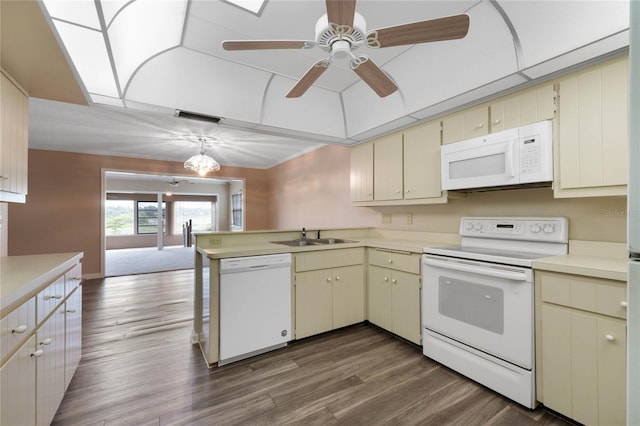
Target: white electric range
478, 300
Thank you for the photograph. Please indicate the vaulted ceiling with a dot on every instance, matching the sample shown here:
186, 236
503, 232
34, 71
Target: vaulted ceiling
160, 65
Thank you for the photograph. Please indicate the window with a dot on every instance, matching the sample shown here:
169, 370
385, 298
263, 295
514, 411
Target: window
118, 217
148, 217
236, 211
201, 214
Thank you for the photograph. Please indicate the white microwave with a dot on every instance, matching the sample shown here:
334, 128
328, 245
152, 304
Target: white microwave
517, 156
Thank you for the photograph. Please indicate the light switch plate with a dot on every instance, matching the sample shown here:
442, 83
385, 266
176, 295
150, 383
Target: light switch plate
386, 218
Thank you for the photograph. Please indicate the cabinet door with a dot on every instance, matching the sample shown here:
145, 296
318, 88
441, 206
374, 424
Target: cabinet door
611, 340
422, 161
466, 124
314, 303
556, 358
18, 387
593, 127
362, 172
405, 306
387, 169
73, 335
524, 108
14, 111
379, 297
50, 367
348, 295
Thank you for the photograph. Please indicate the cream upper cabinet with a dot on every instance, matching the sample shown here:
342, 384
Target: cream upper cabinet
387, 168
421, 153
523, 108
406, 168
466, 124
592, 136
14, 127
362, 172
581, 347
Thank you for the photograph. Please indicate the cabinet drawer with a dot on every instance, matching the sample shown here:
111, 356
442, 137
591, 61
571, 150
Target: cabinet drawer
606, 297
73, 278
394, 260
324, 259
17, 327
49, 298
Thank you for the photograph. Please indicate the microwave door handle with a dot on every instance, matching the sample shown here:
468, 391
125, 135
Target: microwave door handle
509, 159
513, 276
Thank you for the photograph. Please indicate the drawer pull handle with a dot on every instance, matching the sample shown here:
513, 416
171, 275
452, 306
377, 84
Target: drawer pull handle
394, 281
71, 311
624, 304
37, 353
610, 337
329, 279
390, 260
19, 329
57, 296
46, 341
338, 278
496, 121
479, 126
386, 278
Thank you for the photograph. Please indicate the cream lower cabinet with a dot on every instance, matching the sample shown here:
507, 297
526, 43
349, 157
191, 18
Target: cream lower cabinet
329, 290
42, 345
17, 386
581, 347
393, 293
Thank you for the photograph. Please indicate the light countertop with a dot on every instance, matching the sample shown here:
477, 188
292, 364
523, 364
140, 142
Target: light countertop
589, 258
22, 277
258, 249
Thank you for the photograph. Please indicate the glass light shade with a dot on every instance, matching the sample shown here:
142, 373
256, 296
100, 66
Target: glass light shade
202, 164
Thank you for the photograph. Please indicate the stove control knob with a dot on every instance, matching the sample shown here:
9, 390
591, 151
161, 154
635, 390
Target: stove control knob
478, 226
548, 229
535, 229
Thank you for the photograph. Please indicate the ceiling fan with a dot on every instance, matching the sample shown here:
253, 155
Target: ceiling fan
342, 30
176, 182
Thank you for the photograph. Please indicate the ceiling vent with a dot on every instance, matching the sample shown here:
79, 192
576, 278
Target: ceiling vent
196, 116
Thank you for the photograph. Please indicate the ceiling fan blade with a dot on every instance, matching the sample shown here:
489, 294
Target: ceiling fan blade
308, 79
266, 44
371, 74
447, 28
341, 12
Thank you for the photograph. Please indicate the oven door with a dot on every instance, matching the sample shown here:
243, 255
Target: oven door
484, 305
490, 160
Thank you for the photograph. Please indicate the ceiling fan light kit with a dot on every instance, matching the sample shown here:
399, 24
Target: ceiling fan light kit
202, 163
342, 30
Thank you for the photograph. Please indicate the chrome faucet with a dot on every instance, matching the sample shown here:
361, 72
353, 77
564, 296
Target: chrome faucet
304, 234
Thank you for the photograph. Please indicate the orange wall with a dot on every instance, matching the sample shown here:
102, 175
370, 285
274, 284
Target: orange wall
313, 190
63, 208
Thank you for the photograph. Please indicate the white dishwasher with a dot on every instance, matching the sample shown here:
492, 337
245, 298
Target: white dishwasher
255, 305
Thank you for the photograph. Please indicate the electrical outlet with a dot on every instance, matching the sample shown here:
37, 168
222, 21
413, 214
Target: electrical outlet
386, 218
409, 218
215, 241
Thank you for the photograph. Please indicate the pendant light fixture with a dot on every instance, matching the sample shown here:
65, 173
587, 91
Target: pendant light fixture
202, 163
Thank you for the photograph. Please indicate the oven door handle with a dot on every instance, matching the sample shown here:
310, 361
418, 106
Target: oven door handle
492, 272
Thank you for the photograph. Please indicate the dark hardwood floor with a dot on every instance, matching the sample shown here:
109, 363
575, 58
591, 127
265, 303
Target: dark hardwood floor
138, 368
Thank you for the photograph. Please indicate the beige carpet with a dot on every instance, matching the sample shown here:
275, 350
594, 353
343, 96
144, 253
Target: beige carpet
148, 259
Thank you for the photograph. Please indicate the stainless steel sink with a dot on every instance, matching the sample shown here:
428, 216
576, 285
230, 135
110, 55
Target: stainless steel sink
298, 243
311, 242
334, 241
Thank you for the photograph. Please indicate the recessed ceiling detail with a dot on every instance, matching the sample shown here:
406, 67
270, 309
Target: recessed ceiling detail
166, 55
